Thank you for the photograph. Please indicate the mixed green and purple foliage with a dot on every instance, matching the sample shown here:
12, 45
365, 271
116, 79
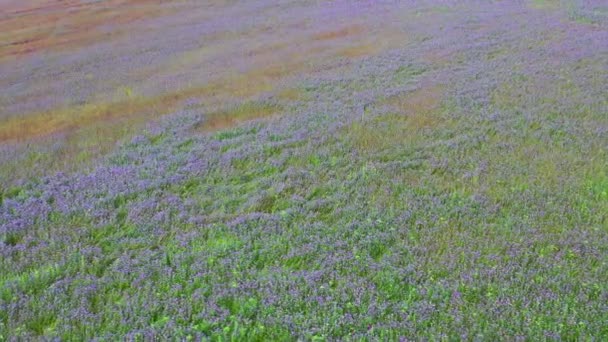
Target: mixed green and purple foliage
305, 170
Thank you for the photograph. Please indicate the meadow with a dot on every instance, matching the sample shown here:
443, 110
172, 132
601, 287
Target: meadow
304, 170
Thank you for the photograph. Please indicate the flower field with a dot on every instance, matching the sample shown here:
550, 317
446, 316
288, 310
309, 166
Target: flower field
304, 170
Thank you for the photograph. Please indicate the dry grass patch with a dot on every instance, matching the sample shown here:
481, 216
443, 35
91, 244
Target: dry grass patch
290, 94
44, 123
57, 25
259, 80
231, 117
441, 56
418, 106
544, 4
39, 124
411, 114
359, 50
339, 33
373, 43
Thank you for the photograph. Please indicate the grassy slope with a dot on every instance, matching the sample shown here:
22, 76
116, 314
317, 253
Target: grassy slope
418, 195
